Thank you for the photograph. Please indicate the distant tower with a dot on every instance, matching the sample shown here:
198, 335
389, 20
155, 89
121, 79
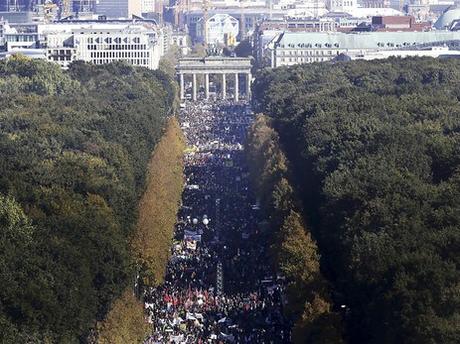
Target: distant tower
16, 5
66, 8
119, 8
242, 23
159, 9
83, 6
13, 6
205, 22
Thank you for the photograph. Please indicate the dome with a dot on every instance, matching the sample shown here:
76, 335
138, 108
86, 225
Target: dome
446, 19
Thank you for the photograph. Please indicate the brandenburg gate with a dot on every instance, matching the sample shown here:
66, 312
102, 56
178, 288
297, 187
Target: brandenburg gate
214, 65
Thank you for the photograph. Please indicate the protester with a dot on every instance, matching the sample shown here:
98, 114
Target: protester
219, 287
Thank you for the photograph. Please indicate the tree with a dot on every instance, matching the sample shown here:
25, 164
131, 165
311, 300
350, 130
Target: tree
244, 48
372, 147
125, 322
294, 252
74, 147
151, 242
198, 50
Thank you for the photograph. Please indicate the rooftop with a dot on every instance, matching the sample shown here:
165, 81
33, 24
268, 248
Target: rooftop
362, 40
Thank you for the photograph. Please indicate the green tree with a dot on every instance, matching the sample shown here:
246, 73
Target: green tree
373, 149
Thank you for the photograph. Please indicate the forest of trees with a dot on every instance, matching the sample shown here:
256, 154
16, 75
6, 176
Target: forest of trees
374, 152
74, 151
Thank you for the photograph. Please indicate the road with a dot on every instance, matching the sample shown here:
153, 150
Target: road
219, 286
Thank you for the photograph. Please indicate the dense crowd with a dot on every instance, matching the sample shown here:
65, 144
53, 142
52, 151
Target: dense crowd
219, 286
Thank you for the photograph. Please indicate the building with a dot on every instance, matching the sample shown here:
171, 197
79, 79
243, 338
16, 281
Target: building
148, 6
180, 39
138, 42
219, 29
350, 23
290, 48
119, 8
446, 20
16, 5
247, 18
375, 3
152, 9
20, 40
262, 47
393, 23
434, 52
300, 8
139, 45
369, 12
345, 6
268, 29
22, 37
323, 24
17, 17
30, 53
83, 6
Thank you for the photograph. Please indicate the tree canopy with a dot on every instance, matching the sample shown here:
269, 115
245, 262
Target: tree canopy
74, 150
293, 250
375, 151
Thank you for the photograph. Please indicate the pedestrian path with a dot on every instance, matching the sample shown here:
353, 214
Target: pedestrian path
219, 286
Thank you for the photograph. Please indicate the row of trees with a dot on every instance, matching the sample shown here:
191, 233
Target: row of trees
74, 151
294, 252
375, 150
159, 205
124, 323
151, 240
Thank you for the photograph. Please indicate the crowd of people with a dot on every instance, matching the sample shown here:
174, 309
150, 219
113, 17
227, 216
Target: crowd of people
219, 286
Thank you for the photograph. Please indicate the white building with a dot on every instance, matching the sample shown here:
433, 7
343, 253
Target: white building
362, 9
220, 29
181, 39
300, 8
263, 47
140, 44
435, 52
137, 45
446, 20
30, 53
347, 6
291, 48
148, 6
368, 12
